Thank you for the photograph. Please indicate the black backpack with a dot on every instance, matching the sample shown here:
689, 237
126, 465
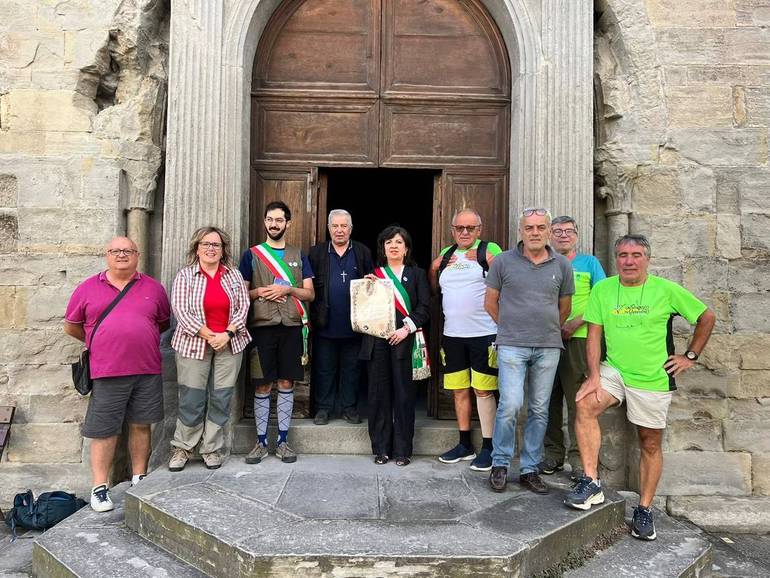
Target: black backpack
481, 257
49, 509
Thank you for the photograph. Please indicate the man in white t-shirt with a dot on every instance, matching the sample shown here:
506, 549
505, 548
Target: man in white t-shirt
468, 355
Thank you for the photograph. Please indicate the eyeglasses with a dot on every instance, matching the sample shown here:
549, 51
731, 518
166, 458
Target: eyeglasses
208, 245
126, 252
564, 232
530, 212
469, 228
278, 221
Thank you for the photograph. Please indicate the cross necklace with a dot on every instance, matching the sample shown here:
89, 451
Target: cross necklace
343, 275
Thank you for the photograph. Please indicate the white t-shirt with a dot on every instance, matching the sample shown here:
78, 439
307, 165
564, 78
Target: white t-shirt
463, 288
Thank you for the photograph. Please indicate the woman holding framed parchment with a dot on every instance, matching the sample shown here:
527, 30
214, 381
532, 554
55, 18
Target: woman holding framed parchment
395, 362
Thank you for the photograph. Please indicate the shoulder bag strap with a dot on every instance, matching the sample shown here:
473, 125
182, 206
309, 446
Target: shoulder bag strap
111, 306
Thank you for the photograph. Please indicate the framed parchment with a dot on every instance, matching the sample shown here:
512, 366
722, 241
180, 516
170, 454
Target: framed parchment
372, 307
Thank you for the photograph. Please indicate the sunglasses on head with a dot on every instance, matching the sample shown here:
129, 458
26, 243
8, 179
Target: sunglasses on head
530, 212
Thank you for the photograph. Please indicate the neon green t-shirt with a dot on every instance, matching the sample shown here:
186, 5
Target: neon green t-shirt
637, 326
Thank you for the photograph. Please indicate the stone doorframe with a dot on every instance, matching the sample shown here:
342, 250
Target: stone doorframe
212, 49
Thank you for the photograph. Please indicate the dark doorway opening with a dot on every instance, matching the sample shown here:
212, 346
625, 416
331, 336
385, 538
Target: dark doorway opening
377, 198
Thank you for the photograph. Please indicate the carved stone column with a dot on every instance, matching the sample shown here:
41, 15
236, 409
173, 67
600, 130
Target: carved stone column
617, 192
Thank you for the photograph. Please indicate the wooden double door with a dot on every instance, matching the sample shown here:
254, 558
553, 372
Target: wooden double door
381, 84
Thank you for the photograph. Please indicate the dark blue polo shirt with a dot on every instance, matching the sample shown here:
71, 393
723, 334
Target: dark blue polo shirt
341, 271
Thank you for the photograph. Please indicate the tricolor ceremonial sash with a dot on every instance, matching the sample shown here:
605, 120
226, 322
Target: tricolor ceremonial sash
420, 360
279, 269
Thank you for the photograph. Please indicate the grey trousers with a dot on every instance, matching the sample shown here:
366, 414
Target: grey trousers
204, 409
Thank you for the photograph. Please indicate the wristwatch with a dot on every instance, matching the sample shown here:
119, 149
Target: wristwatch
691, 355
231, 334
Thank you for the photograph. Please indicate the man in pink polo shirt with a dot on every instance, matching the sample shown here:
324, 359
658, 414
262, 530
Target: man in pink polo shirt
125, 361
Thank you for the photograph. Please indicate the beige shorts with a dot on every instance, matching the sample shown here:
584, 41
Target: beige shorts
644, 408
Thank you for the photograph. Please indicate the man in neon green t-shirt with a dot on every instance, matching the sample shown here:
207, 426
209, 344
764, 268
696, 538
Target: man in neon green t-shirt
634, 312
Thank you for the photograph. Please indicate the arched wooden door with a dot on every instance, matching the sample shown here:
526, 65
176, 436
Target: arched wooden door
381, 83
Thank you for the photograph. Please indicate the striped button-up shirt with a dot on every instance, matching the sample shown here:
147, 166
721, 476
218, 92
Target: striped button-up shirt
187, 304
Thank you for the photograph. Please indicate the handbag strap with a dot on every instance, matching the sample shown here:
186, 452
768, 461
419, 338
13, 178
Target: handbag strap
110, 307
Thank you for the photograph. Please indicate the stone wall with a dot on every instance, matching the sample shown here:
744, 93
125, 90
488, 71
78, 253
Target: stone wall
683, 157
82, 101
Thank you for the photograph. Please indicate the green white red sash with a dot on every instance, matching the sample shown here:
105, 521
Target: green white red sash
279, 269
420, 360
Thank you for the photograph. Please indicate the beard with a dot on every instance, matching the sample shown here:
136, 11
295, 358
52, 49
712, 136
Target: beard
276, 236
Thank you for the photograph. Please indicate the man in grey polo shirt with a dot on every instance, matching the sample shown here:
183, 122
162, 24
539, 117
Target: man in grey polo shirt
529, 295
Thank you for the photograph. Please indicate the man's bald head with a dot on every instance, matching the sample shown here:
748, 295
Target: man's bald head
122, 256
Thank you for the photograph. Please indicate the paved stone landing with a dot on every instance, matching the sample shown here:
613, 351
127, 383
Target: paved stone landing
347, 516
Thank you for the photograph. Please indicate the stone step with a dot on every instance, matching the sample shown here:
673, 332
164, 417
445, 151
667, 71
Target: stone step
432, 437
344, 515
681, 550
89, 544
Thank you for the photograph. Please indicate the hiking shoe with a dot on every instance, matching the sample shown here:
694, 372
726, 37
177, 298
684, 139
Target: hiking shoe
483, 461
498, 478
287, 455
179, 458
457, 453
321, 417
351, 416
255, 456
100, 499
549, 466
212, 461
584, 494
533, 482
643, 527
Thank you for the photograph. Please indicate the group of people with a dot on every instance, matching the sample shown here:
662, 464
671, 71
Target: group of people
535, 318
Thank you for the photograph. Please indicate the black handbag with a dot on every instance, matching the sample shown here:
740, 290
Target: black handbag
81, 370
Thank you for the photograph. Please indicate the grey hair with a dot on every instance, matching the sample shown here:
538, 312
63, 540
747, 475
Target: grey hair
338, 213
466, 210
563, 220
639, 240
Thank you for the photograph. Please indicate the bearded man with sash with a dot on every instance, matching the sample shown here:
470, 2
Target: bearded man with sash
394, 363
280, 283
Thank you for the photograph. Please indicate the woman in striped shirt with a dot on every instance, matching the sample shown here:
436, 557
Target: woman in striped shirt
210, 304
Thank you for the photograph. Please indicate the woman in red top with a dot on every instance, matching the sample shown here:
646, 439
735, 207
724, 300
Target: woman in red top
210, 303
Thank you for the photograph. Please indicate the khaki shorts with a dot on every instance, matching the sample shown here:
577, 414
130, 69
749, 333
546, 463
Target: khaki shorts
644, 408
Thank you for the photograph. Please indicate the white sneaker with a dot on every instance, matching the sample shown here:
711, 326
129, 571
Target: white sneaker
137, 478
100, 499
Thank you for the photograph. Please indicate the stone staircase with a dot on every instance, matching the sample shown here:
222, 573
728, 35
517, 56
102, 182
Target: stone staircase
342, 515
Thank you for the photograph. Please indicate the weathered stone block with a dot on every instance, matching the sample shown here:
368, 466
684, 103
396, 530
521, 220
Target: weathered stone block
757, 106
702, 276
38, 346
45, 184
67, 408
700, 106
8, 191
697, 434
747, 435
47, 305
721, 352
670, 240
728, 514
656, 191
696, 473
760, 473
753, 12
752, 384
13, 308
49, 379
9, 231
37, 270
753, 352
697, 405
729, 236
722, 147
49, 110
699, 13
691, 45
699, 188
747, 45
18, 477
757, 409
85, 230
751, 312
45, 443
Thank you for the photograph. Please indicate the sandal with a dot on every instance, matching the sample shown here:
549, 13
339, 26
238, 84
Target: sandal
403, 461
381, 459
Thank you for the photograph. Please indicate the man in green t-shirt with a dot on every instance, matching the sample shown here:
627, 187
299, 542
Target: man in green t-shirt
634, 312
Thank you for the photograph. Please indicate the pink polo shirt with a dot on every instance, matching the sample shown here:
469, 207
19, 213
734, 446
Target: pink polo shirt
128, 340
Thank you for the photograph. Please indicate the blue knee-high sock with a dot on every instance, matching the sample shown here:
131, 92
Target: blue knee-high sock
284, 408
261, 416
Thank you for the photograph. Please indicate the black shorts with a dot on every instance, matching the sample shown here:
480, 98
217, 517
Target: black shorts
276, 354
135, 398
469, 362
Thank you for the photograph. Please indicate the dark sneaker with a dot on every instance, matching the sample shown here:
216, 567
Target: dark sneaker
576, 474
532, 481
257, 454
456, 454
584, 494
498, 478
321, 417
549, 466
351, 416
483, 461
643, 527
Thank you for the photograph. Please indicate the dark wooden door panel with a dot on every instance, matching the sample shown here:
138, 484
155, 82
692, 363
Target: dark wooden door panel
321, 45
484, 192
433, 135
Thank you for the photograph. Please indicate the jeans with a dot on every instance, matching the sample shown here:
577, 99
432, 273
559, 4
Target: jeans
333, 358
514, 363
